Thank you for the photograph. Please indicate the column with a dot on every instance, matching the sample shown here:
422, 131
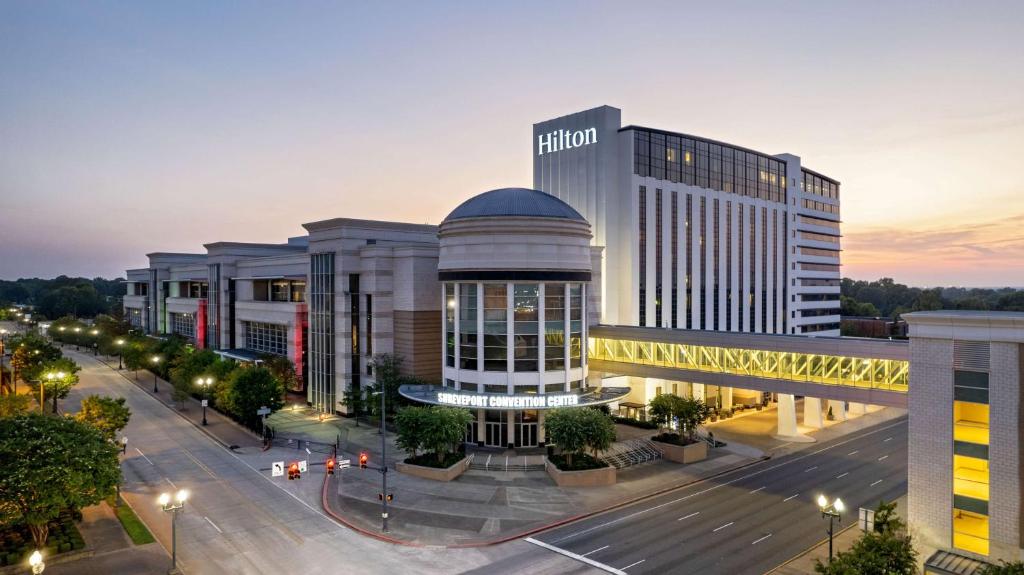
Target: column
856, 409
510, 440
541, 435
698, 391
481, 428
838, 409
812, 412
726, 393
787, 415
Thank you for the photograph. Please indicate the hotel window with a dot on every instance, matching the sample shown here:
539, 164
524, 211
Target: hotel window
970, 461
751, 323
658, 233
467, 326
369, 333
525, 301
764, 270
775, 267
818, 282
266, 337
675, 258
196, 290
819, 267
818, 252
575, 325
819, 222
819, 237
703, 263
449, 324
728, 265
261, 290
689, 261
495, 327
554, 327
642, 255
716, 256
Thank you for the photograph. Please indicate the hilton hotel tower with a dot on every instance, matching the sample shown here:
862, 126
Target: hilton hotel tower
698, 234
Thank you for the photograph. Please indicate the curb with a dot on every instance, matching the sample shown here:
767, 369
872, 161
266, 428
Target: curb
529, 532
808, 550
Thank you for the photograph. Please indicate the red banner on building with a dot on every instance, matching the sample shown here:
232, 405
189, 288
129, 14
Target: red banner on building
201, 325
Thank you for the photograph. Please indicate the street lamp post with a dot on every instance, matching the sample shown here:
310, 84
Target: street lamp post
173, 509
36, 562
95, 342
205, 383
155, 360
77, 341
50, 377
120, 353
383, 462
834, 512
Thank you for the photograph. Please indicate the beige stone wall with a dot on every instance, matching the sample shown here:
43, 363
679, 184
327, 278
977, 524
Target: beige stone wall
418, 341
930, 459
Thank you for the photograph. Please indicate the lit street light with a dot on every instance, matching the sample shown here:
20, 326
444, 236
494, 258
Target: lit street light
155, 360
36, 562
120, 353
51, 376
834, 513
205, 383
173, 509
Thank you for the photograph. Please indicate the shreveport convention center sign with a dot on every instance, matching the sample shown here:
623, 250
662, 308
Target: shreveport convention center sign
508, 401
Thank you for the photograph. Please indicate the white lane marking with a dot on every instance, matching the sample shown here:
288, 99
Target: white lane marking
595, 550
875, 483
854, 452
571, 555
713, 487
689, 516
882, 457
212, 523
810, 469
143, 455
633, 564
842, 475
761, 539
171, 482
717, 529
758, 489
886, 439
791, 496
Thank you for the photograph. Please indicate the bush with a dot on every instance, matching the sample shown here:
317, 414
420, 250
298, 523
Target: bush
436, 430
431, 460
674, 439
575, 430
577, 462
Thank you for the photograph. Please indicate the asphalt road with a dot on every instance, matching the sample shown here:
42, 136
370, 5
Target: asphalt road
748, 521
237, 520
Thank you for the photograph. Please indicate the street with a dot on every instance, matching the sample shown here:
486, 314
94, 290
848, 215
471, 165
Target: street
748, 521
237, 520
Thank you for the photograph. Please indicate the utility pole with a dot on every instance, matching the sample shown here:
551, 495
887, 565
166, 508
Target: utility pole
383, 462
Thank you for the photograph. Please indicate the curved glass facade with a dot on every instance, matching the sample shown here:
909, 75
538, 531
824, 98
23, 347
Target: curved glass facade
515, 327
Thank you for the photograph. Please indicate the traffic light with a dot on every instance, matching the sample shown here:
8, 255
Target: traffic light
293, 471
363, 459
330, 466
391, 496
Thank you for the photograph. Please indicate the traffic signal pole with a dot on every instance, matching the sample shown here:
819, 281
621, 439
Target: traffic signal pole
383, 463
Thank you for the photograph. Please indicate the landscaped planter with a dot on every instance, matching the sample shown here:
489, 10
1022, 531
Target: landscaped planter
682, 453
587, 478
434, 473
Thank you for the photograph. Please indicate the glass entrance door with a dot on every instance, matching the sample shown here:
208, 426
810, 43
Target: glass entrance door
496, 428
526, 429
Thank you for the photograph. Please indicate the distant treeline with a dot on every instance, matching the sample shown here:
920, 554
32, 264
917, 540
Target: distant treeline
886, 298
64, 296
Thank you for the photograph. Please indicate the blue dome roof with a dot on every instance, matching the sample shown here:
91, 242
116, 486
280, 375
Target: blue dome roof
513, 202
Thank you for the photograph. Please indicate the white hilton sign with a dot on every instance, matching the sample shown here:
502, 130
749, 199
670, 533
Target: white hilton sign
508, 401
565, 139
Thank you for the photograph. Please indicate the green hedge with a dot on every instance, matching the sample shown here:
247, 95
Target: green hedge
133, 526
16, 541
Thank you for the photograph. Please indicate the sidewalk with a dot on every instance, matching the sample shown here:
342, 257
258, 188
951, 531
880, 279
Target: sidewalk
112, 550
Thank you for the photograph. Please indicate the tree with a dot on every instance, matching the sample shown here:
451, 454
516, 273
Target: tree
410, 422
65, 376
284, 370
886, 549
435, 429
187, 367
11, 404
247, 390
52, 464
575, 430
387, 374
107, 414
662, 408
690, 413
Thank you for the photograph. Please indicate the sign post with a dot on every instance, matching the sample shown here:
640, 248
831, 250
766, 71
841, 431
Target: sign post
263, 412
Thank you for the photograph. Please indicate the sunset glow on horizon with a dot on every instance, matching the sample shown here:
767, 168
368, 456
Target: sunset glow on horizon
131, 128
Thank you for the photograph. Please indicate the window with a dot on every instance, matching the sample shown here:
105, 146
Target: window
554, 327
703, 263
525, 301
280, 290
135, 317
261, 290
575, 325
739, 265
298, 290
675, 258
716, 256
818, 252
183, 324
467, 326
819, 267
321, 331
266, 337
658, 234
449, 324
642, 256
689, 261
728, 265
819, 237
970, 461
495, 327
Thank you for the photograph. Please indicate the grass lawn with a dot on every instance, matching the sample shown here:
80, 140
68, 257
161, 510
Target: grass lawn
132, 525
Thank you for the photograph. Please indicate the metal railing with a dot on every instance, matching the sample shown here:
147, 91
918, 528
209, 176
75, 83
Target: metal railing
632, 452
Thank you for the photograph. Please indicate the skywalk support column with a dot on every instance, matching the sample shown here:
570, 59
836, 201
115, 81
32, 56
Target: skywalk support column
838, 409
856, 409
726, 393
698, 391
812, 412
788, 430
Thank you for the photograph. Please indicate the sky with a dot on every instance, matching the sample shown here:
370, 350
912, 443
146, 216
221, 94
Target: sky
134, 127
